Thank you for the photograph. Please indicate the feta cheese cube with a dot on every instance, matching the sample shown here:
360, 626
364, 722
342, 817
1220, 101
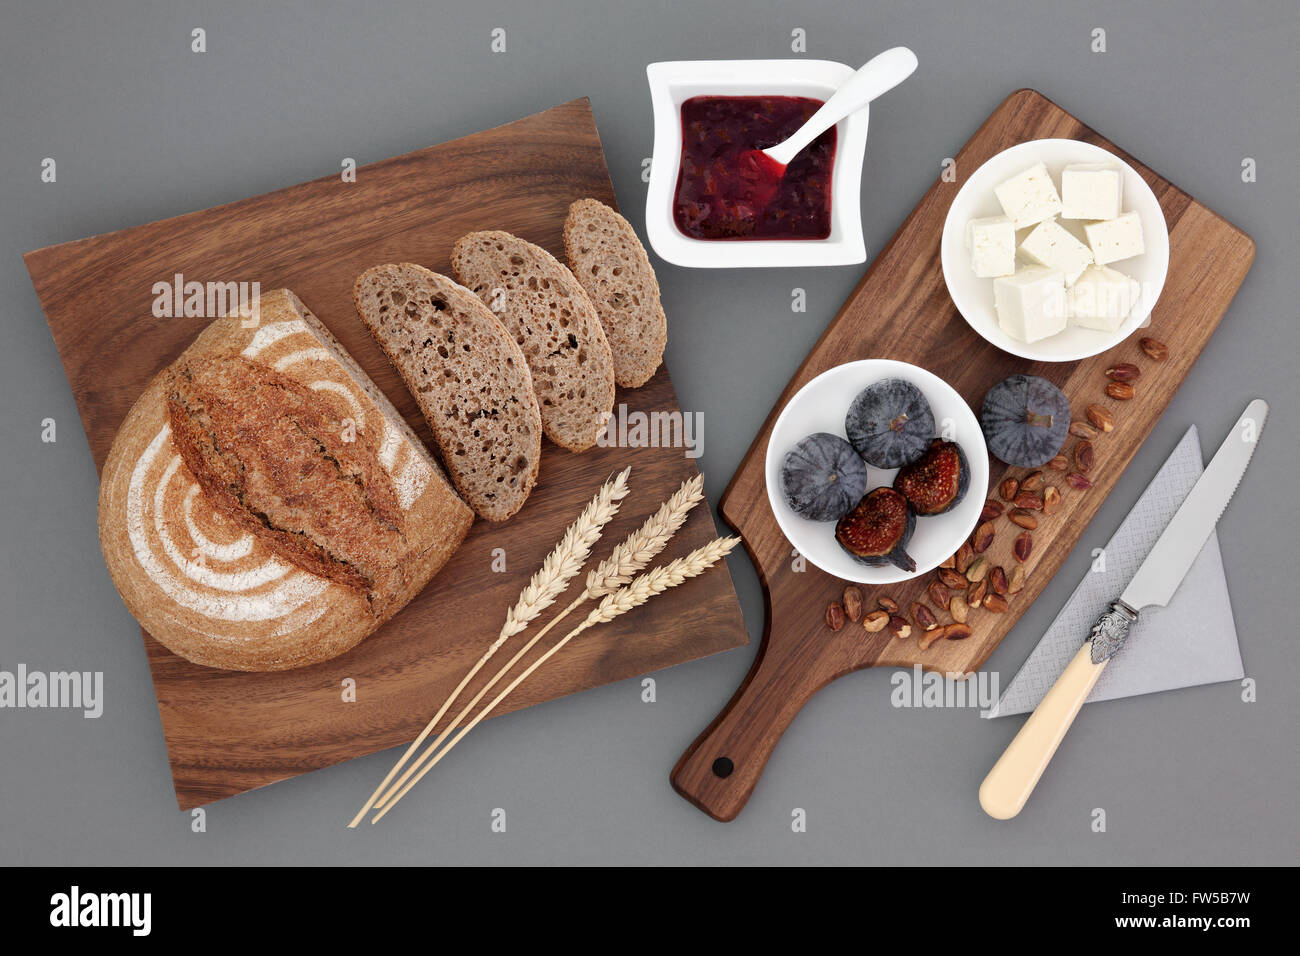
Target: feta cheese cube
1052, 245
1102, 299
1115, 239
1031, 303
992, 245
1091, 191
1029, 197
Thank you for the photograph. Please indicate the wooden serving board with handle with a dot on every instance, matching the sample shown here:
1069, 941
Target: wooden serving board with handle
228, 732
901, 310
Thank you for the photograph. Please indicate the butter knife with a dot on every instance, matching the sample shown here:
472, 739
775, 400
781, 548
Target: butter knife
1013, 778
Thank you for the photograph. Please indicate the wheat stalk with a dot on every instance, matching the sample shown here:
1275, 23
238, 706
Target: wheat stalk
629, 556
565, 560
614, 604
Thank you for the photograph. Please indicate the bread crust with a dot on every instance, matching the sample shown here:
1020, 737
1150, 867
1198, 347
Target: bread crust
310, 517
609, 261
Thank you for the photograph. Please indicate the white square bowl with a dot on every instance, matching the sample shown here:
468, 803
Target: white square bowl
672, 83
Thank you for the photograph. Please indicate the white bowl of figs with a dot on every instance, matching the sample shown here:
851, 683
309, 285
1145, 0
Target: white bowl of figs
877, 471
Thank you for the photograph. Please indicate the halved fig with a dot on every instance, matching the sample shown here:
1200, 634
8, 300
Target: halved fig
877, 530
937, 481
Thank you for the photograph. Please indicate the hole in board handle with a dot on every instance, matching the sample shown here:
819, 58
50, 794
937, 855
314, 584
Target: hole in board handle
722, 767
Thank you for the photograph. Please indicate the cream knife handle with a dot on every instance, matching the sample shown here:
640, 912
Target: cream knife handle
1013, 778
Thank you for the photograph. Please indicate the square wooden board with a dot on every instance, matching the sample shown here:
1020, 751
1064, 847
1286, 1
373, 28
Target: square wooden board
227, 731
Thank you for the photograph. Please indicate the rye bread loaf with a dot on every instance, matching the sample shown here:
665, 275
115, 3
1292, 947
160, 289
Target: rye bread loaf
468, 376
608, 259
263, 505
541, 304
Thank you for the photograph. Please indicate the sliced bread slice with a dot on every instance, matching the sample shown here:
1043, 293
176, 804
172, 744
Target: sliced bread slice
608, 259
555, 324
467, 374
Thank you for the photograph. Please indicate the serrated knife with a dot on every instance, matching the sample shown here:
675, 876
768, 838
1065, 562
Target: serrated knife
1013, 778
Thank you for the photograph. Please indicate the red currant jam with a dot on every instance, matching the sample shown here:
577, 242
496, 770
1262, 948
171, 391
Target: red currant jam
728, 190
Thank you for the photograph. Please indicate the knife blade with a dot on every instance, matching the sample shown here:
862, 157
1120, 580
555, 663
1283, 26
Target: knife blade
1178, 545
1013, 778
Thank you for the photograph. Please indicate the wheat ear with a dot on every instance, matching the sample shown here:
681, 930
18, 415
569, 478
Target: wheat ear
618, 602
635, 551
565, 560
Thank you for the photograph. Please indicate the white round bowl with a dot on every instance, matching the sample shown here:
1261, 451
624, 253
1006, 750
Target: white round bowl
974, 296
820, 406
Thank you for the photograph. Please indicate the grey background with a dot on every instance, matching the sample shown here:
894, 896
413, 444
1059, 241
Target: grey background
142, 128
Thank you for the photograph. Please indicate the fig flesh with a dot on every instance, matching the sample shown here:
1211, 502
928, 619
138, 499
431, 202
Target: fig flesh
937, 481
877, 530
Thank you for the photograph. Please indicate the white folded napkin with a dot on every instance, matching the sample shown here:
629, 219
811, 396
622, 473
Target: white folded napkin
1192, 641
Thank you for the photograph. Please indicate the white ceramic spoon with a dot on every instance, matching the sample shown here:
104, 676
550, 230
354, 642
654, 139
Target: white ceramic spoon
880, 75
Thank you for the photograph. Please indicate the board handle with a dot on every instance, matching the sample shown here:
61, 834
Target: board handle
719, 771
